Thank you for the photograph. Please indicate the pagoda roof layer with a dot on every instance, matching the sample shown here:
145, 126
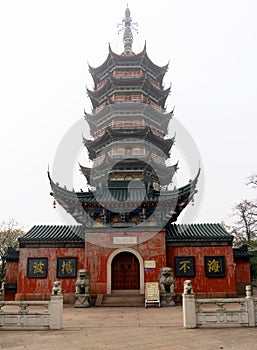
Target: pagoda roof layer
101, 118
132, 84
111, 135
114, 60
164, 174
117, 192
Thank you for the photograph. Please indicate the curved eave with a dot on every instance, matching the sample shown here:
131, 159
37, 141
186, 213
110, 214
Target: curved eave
96, 70
132, 85
113, 57
89, 144
137, 107
86, 172
63, 195
111, 135
179, 194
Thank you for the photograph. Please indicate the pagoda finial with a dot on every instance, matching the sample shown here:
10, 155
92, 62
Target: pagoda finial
127, 26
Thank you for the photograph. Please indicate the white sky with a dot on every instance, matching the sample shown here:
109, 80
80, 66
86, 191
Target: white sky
45, 47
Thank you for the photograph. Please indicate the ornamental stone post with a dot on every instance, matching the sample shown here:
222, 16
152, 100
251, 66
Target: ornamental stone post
56, 307
189, 308
250, 306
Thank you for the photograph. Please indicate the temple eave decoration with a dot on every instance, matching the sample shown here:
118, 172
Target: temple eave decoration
117, 195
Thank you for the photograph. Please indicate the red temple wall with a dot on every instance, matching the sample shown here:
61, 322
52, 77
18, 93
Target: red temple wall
11, 271
97, 258
11, 276
243, 275
40, 288
205, 286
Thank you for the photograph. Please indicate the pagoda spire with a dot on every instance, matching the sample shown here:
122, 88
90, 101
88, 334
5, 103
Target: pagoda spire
127, 26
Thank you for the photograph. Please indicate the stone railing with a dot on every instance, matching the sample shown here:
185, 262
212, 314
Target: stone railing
20, 314
227, 311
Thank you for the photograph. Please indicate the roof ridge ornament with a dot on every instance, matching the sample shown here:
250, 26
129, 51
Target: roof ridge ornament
127, 26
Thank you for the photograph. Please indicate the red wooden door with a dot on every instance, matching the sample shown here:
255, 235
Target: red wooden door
125, 271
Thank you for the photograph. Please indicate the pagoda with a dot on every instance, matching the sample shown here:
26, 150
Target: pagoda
129, 148
126, 231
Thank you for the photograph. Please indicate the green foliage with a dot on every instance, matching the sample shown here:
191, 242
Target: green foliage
10, 231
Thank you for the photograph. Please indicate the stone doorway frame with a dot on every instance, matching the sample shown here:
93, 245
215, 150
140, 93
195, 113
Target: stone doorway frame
109, 268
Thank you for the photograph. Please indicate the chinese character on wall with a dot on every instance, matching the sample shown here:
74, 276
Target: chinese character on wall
37, 267
185, 266
214, 266
67, 267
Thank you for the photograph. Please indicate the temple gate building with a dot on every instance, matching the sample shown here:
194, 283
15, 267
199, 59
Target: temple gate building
127, 227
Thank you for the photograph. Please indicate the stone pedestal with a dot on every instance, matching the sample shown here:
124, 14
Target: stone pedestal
189, 312
167, 299
83, 300
56, 312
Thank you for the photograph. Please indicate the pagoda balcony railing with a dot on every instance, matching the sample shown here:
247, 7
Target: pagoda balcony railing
128, 74
102, 83
122, 98
99, 108
126, 98
154, 82
125, 153
99, 160
128, 125
157, 107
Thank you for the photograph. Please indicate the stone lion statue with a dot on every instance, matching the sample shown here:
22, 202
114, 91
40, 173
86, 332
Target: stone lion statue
83, 282
57, 288
188, 288
166, 281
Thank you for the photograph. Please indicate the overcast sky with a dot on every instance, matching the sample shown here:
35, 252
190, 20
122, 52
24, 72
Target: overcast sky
45, 50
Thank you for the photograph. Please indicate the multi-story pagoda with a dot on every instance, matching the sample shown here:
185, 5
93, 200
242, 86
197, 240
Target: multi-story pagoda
129, 179
126, 232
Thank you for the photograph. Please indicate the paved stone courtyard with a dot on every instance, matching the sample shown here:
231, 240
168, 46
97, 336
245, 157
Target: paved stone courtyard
128, 328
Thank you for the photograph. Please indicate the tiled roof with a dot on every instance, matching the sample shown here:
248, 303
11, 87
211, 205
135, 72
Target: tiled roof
197, 232
54, 233
242, 252
12, 254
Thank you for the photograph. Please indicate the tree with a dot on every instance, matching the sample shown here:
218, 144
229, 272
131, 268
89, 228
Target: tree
245, 214
252, 180
10, 231
245, 228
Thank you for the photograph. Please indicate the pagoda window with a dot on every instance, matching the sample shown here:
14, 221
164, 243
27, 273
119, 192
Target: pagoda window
125, 124
157, 131
117, 152
139, 151
99, 159
102, 83
134, 97
154, 81
99, 132
125, 74
99, 108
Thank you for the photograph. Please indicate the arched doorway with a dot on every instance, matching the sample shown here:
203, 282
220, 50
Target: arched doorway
125, 272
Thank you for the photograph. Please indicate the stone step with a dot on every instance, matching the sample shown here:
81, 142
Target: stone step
122, 300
